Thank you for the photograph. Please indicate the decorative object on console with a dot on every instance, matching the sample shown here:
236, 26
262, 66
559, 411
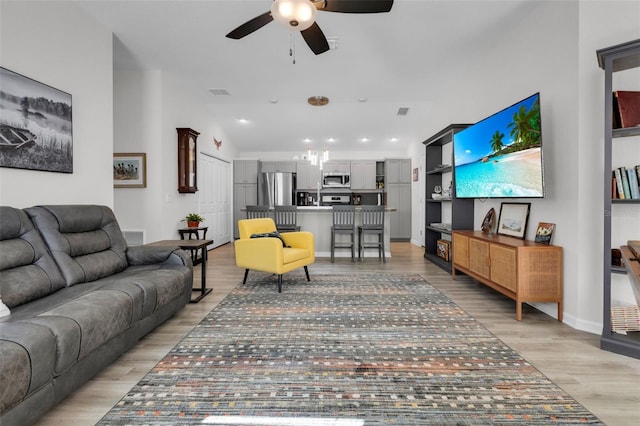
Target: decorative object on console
544, 233
488, 221
513, 219
44, 140
130, 170
443, 249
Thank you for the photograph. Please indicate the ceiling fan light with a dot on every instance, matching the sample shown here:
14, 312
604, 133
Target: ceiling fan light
297, 15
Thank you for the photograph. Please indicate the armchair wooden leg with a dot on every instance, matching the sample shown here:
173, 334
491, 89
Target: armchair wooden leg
306, 271
279, 283
246, 274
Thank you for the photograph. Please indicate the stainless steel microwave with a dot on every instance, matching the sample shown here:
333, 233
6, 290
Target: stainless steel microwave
336, 180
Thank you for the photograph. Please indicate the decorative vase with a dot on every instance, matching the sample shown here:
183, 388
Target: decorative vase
193, 224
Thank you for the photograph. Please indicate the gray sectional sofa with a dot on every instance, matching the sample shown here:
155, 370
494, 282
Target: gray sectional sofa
78, 299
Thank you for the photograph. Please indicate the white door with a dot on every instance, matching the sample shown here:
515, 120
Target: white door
214, 185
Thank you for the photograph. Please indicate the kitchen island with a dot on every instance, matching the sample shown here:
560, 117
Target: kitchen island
318, 220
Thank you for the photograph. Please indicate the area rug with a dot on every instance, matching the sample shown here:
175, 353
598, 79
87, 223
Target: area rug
361, 349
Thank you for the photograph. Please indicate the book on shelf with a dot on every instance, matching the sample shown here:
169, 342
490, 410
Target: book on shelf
626, 109
626, 183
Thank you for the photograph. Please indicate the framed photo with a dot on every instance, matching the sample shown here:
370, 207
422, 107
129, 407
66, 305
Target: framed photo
130, 170
544, 232
513, 219
415, 174
35, 125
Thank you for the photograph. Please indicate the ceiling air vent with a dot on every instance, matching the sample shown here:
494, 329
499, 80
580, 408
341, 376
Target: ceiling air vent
403, 111
220, 92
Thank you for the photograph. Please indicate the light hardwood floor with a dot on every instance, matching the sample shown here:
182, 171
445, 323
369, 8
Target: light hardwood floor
607, 384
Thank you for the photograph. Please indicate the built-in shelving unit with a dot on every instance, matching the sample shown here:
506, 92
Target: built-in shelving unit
456, 213
614, 59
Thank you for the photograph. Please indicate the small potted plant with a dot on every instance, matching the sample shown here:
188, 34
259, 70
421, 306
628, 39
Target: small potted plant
193, 220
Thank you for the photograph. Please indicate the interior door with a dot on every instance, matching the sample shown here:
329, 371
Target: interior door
215, 198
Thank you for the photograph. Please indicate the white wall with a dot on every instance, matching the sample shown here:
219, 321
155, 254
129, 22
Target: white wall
60, 46
149, 106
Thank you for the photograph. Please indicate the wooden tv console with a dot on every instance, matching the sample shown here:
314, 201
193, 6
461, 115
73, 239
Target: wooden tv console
522, 270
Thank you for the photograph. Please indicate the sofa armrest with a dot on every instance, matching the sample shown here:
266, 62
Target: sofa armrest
151, 255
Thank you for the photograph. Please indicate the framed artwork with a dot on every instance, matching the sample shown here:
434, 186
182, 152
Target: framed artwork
513, 219
35, 125
544, 232
415, 174
489, 221
130, 170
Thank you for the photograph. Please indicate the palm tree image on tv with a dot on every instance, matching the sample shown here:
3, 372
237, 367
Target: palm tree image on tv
501, 156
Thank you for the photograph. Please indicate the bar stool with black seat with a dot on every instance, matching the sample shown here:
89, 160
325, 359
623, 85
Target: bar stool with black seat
257, 212
373, 224
286, 218
344, 222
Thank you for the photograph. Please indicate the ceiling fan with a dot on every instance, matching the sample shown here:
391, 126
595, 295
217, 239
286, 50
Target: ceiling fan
299, 15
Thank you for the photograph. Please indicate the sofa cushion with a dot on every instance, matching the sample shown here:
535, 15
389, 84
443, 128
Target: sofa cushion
27, 269
294, 254
85, 240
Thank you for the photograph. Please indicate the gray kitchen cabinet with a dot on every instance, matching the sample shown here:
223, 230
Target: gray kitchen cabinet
397, 170
399, 197
308, 176
244, 194
363, 174
337, 167
245, 171
278, 166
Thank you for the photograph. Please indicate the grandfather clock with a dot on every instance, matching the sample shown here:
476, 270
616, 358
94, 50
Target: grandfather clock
187, 160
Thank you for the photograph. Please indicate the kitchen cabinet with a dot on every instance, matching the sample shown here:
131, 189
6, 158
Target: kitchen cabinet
278, 166
399, 196
363, 175
336, 167
244, 194
397, 171
245, 171
308, 176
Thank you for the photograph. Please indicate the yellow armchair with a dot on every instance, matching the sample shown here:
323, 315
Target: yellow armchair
270, 254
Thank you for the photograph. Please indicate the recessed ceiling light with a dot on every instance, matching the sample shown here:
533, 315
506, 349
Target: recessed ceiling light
393, 140
306, 140
243, 121
364, 140
331, 140
362, 100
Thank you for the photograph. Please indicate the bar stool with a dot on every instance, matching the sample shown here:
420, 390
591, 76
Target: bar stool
344, 222
257, 212
286, 218
372, 223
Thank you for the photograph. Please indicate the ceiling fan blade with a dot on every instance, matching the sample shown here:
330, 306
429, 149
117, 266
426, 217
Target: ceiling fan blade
251, 26
315, 39
359, 6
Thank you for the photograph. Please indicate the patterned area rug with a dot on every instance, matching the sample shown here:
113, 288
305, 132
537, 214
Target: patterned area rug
362, 349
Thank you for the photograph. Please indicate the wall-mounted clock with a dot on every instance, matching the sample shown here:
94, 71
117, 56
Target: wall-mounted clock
187, 160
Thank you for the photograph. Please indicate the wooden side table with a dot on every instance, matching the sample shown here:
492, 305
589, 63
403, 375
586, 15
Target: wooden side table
189, 232
193, 246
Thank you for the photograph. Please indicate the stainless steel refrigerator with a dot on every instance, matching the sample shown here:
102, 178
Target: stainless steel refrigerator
276, 189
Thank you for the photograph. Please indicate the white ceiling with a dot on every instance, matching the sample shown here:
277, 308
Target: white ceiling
392, 60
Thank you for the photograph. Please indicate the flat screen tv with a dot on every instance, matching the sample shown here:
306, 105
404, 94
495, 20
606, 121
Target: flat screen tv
501, 156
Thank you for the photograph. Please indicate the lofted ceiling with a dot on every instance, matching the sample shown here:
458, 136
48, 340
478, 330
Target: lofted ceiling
382, 63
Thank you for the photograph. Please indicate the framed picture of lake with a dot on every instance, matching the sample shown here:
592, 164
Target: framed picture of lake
35, 125
130, 170
513, 219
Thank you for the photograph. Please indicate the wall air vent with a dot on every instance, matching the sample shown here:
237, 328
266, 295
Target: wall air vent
220, 92
403, 111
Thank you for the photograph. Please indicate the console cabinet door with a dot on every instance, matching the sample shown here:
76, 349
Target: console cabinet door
479, 258
503, 266
461, 250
